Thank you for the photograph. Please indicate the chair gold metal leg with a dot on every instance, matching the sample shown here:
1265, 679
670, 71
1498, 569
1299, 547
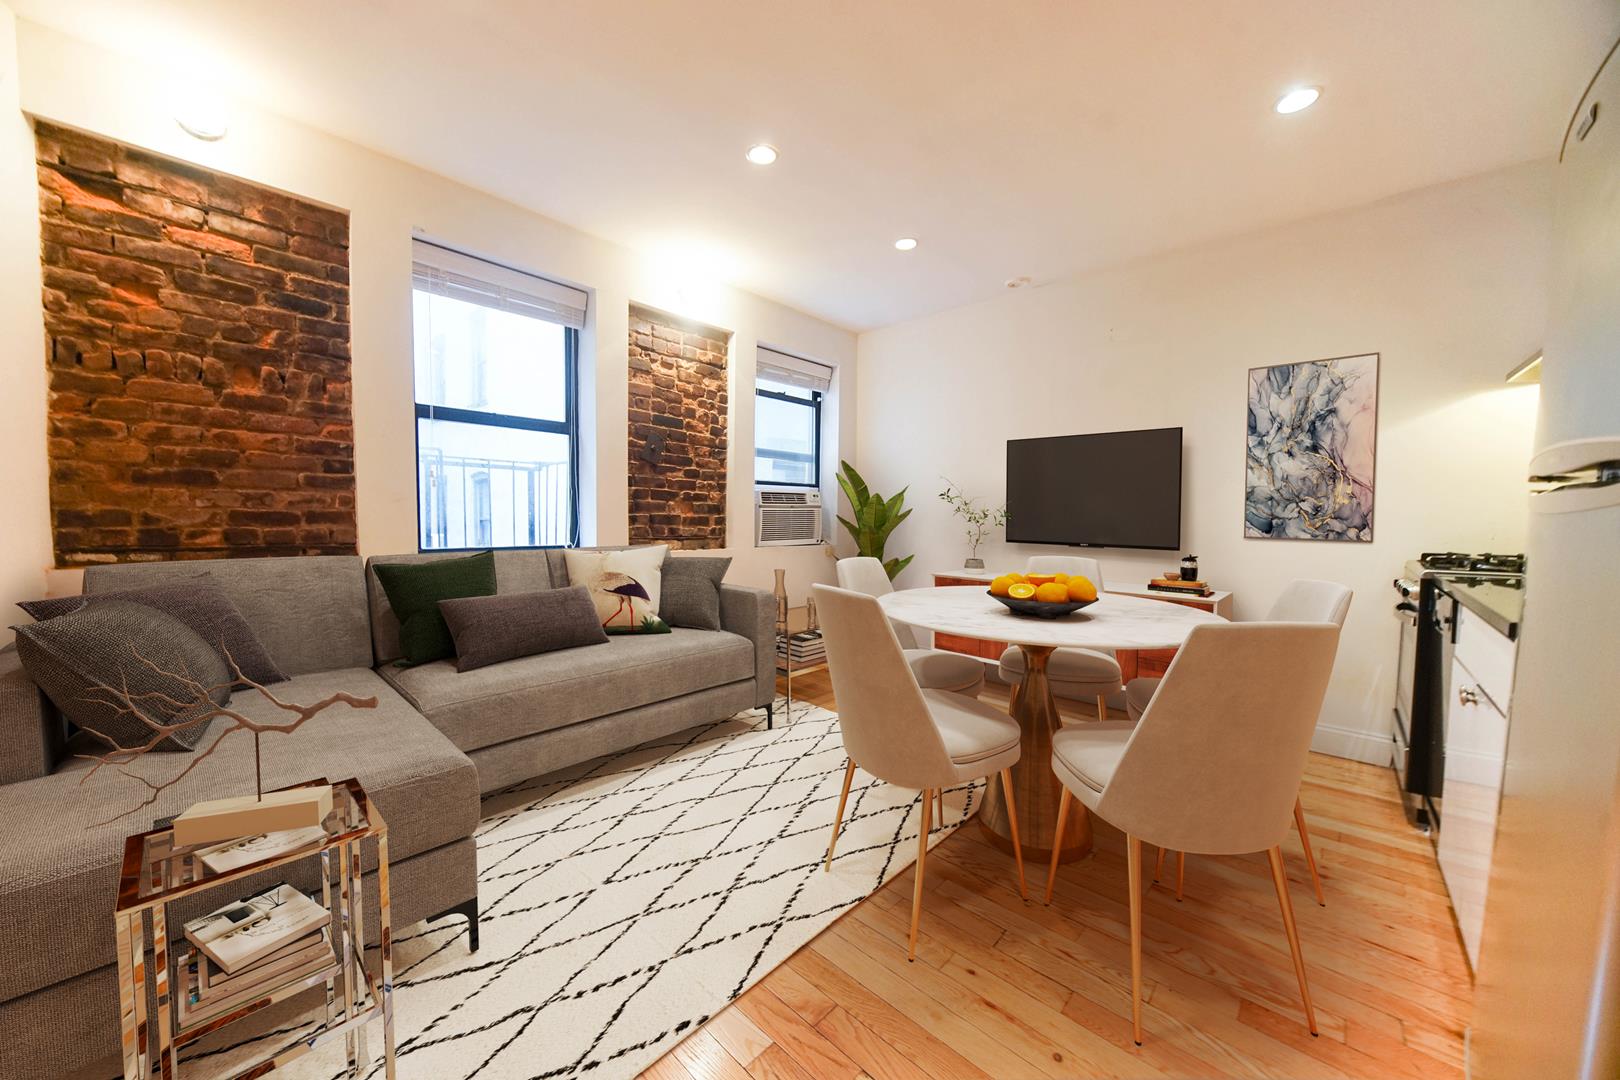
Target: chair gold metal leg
1012, 819
838, 818
1057, 840
1181, 872
1279, 877
922, 858
1158, 867
1310, 859
1102, 708
939, 798
1133, 862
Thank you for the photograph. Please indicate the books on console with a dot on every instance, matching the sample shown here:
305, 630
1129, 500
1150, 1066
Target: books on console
244, 932
246, 850
211, 992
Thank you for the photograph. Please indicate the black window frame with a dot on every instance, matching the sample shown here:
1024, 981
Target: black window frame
568, 426
813, 403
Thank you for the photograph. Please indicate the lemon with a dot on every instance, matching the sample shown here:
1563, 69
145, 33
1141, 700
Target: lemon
1021, 590
1081, 589
1052, 593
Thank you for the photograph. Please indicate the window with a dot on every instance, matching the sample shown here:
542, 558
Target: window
787, 419
496, 356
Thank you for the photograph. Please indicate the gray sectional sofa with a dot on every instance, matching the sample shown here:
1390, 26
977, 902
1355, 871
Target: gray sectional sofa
436, 742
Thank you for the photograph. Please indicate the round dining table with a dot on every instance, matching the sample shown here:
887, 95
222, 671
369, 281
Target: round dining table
1113, 622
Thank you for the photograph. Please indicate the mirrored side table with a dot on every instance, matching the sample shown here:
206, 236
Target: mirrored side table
156, 874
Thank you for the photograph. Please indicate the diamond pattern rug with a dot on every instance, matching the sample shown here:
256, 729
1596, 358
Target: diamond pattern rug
628, 899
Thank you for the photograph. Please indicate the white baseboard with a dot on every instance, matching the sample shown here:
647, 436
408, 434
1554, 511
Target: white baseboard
1372, 748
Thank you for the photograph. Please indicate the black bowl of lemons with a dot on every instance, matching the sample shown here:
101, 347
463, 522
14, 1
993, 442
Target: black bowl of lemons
1043, 596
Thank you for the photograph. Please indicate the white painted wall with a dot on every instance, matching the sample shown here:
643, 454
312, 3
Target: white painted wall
70, 82
25, 540
1449, 284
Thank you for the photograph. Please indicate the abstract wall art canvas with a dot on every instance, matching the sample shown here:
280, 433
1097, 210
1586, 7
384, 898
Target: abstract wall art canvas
1312, 441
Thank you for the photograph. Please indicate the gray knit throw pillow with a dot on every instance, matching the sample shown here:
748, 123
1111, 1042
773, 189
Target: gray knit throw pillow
198, 602
689, 592
111, 663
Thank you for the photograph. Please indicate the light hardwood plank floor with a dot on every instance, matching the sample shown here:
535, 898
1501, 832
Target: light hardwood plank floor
1006, 989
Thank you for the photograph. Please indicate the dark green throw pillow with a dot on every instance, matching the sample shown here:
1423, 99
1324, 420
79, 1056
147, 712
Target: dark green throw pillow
414, 591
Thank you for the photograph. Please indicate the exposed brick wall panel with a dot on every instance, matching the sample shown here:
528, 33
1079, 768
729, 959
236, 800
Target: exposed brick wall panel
197, 350
678, 397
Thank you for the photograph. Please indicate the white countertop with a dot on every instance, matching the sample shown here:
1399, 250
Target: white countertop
1113, 622
1123, 588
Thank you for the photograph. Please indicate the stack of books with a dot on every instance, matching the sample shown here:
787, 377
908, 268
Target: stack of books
247, 948
801, 649
1186, 588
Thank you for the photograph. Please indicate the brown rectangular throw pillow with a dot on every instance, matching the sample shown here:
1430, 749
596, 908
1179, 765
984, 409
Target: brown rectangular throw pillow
489, 629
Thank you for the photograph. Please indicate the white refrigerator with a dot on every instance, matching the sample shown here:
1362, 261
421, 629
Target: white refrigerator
1547, 998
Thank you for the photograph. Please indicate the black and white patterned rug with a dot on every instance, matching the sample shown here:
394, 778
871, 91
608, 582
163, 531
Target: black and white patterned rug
628, 899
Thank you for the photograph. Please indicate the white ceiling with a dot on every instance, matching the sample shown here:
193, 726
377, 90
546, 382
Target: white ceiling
1012, 137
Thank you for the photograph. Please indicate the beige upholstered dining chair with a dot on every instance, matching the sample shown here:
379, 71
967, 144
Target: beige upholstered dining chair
903, 734
1213, 767
1302, 600
936, 669
1079, 674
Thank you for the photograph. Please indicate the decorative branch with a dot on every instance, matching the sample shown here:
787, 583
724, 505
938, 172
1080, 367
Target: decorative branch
193, 695
978, 519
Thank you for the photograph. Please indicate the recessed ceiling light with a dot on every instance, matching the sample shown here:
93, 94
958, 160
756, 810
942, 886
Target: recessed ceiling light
905, 243
199, 109
1298, 99
762, 154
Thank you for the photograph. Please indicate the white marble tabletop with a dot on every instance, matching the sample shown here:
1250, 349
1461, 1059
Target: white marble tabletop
1113, 622
1127, 588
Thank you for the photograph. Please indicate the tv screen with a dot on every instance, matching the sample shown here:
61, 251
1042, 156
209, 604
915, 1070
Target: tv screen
1115, 489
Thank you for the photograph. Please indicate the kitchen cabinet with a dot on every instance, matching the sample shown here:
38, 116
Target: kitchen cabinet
1476, 731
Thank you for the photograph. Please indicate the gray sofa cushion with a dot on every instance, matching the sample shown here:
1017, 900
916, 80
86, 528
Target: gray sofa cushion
31, 731
58, 883
197, 601
515, 572
540, 693
309, 612
116, 668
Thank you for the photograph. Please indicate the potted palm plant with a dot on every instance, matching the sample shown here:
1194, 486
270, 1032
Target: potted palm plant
874, 518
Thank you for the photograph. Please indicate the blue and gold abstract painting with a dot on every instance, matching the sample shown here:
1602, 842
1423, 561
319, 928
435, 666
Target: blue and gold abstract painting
1312, 441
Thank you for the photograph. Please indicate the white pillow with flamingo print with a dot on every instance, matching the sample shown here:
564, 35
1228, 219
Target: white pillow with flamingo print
623, 584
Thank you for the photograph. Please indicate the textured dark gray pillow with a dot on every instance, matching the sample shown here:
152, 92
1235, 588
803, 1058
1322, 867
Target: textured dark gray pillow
198, 602
81, 658
489, 629
689, 594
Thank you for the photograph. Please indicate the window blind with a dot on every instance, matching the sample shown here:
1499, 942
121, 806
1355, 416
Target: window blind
443, 272
792, 371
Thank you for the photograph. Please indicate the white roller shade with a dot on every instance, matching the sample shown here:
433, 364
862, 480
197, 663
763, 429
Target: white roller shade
449, 273
792, 371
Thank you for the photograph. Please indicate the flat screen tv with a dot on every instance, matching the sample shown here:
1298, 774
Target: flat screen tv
1113, 489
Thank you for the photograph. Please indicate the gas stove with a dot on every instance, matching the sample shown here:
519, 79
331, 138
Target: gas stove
1456, 561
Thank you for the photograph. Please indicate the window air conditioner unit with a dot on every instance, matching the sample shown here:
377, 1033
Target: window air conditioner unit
785, 516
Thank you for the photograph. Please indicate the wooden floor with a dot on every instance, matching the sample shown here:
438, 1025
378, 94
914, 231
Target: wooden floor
1006, 989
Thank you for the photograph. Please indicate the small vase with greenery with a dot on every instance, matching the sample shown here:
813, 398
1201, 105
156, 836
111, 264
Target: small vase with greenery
978, 519
874, 518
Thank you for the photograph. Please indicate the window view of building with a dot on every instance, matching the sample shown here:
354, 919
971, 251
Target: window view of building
788, 394
496, 404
